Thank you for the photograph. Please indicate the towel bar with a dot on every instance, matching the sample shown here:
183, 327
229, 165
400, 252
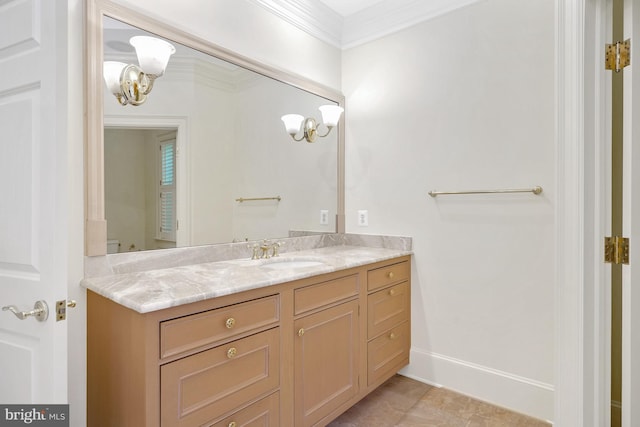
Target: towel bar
535, 190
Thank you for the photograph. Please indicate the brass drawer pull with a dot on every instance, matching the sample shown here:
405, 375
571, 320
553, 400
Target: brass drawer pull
390, 275
392, 292
301, 332
233, 424
392, 336
230, 322
231, 353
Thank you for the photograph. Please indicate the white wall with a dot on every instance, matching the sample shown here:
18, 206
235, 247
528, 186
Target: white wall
465, 101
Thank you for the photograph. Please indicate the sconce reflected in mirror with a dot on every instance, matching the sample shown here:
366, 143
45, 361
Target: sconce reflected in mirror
294, 122
131, 83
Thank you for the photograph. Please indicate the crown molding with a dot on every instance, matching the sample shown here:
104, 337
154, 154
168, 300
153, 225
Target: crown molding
311, 16
381, 19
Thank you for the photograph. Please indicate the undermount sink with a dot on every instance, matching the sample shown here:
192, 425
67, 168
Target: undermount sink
291, 264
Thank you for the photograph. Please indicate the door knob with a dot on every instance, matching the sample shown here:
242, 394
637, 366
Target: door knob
40, 311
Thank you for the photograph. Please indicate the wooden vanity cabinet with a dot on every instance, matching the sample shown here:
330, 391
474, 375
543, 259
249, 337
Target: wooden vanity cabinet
388, 321
188, 365
294, 354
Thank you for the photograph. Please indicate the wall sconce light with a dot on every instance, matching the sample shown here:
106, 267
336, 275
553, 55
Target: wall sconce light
131, 83
293, 123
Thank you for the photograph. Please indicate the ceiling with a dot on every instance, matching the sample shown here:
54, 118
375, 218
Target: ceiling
349, 23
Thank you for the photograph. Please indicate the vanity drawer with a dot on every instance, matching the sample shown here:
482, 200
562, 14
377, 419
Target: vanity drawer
200, 330
265, 412
388, 352
387, 275
325, 293
387, 308
204, 386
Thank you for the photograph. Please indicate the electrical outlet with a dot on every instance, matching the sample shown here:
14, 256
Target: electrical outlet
324, 217
363, 218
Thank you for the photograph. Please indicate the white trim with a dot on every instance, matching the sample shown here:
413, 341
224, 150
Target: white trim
381, 19
569, 295
524, 395
183, 234
581, 338
598, 135
311, 16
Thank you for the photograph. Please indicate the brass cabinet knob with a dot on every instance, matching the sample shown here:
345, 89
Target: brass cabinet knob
233, 424
230, 322
392, 336
390, 275
231, 353
392, 292
301, 332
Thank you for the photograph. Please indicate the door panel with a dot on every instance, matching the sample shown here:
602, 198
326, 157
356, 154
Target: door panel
32, 253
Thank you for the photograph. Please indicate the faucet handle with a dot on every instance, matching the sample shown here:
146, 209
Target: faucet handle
275, 248
254, 250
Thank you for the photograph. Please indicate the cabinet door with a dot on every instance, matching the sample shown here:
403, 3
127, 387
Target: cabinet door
326, 361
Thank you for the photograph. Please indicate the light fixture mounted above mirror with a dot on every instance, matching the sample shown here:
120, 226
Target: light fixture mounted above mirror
130, 83
330, 117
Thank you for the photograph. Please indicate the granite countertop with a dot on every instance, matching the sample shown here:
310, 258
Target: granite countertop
158, 289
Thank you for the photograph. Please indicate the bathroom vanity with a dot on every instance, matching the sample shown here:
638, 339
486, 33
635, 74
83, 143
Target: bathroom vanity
194, 337
291, 341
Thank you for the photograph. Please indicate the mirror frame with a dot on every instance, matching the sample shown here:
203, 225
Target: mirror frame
95, 222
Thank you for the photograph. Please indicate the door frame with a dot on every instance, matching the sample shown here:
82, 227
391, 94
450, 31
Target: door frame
180, 124
583, 302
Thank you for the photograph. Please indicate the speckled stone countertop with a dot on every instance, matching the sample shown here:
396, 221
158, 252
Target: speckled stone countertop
157, 289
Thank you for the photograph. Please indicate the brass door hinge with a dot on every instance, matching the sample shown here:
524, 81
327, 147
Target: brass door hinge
616, 250
618, 55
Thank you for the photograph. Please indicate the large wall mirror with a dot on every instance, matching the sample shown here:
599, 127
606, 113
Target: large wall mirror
206, 158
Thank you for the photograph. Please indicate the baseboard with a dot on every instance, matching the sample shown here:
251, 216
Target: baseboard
513, 392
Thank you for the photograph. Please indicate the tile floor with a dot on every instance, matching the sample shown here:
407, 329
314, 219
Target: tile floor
403, 402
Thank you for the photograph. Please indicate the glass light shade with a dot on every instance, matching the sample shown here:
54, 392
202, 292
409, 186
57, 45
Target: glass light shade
112, 70
153, 54
292, 122
331, 114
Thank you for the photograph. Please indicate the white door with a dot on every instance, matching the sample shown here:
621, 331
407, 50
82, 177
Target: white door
33, 245
631, 223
